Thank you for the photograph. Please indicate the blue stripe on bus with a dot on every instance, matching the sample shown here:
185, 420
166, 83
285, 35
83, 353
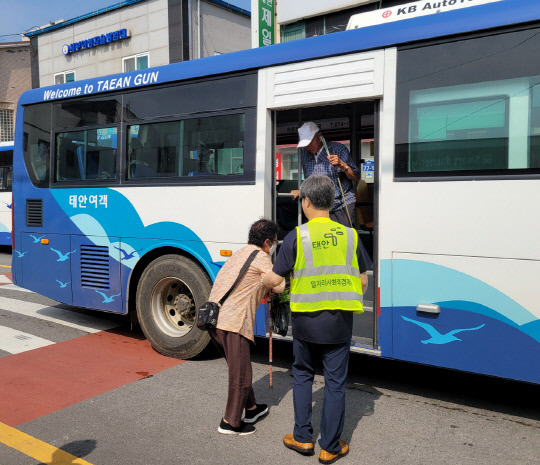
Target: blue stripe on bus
465, 20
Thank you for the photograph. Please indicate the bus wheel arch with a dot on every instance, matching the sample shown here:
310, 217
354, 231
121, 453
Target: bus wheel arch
166, 288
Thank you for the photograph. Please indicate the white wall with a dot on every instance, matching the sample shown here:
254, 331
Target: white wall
291, 11
221, 30
147, 22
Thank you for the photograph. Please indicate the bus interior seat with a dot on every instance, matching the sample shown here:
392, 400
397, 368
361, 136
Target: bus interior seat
149, 156
80, 160
105, 158
364, 205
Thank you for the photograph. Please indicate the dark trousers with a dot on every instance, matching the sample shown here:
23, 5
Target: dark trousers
340, 216
335, 359
237, 354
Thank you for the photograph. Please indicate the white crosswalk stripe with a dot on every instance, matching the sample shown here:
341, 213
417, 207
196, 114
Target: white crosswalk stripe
16, 342
12, 287
71, 319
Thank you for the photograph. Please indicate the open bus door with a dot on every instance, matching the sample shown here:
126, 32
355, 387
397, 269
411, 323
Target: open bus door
354, 125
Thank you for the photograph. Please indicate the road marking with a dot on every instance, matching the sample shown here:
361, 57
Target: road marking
37, 449
5, 266
5, 279
15, 342
61, 316
13, 287
42, 381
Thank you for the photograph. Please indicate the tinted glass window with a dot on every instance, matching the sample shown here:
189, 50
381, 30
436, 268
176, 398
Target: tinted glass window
6, 157
94, 112
37, 142
86, 155
469, 107
209, 146
229, 93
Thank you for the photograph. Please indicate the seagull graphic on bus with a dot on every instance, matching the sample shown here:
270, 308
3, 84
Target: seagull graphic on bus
62, 257
21, 254
127, 256
36, 239
438, 338
63, 285
107, 299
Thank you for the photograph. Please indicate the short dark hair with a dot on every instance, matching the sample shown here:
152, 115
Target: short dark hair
320, 191
261, 230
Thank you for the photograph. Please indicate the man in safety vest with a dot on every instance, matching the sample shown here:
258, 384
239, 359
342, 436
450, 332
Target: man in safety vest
328, 267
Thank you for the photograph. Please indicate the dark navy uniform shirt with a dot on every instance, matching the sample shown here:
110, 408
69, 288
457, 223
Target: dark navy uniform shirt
325, 326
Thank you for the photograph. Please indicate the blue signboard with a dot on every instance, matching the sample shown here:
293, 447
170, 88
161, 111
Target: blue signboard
102, 39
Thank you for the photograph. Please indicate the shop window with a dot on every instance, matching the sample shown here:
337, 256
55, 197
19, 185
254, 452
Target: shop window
6, 125
65, 76
136, 62
294, 31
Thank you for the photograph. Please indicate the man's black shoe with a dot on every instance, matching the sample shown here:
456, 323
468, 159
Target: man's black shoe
253, 415
243, 430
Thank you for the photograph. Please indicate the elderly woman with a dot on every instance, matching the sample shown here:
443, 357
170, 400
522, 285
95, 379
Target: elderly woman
234, 330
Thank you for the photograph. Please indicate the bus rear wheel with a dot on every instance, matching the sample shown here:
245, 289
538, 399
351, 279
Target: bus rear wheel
170, 291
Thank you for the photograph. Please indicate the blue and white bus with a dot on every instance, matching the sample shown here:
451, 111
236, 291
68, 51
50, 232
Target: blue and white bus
131, 190
6, 179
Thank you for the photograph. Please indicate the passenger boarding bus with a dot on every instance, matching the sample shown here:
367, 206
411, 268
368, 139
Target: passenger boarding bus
6, 178
132, 190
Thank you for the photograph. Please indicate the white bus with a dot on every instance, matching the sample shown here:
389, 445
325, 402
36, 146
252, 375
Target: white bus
132, 189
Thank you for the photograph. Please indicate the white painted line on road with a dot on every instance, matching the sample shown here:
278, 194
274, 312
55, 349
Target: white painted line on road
13, 287
15, 342
60, 316
4, 279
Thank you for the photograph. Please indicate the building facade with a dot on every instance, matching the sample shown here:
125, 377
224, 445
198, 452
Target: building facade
299, 20
135, 34
14, 80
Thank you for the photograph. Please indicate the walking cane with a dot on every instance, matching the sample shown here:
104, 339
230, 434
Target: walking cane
323, 140
271, 386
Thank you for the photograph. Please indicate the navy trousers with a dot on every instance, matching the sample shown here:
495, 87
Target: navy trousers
335, 359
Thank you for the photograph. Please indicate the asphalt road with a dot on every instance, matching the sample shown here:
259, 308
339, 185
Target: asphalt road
397, 413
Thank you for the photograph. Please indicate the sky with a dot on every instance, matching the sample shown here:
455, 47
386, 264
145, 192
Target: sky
18, 16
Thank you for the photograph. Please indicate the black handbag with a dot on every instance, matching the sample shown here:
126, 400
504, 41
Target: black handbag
207, 316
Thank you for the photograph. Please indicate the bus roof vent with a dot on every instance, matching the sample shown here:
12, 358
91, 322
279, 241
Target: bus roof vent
34, 212
95, 266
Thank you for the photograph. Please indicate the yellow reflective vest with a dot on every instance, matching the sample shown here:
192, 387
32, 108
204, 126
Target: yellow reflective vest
326, 275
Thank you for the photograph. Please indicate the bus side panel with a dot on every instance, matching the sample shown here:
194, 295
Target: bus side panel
46, 267
5, 218
385, 321
479, 328
96, 273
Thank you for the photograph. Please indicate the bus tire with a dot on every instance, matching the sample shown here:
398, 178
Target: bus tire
170, 291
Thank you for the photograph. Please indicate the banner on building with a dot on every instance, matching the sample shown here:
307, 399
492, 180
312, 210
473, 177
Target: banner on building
410, 10
266, 22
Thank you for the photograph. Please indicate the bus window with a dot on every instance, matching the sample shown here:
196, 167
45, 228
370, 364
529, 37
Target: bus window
468, 115
86, 155
194, 147
214, 145
95, 111
37, 142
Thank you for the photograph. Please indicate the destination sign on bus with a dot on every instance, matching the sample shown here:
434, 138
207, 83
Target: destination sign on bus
410, 10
